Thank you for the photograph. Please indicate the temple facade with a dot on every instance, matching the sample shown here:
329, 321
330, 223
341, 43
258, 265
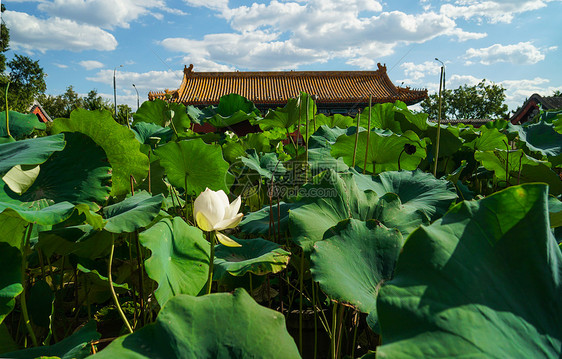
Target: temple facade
341, 92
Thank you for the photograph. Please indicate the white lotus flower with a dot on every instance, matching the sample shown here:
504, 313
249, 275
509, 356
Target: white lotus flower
213, 212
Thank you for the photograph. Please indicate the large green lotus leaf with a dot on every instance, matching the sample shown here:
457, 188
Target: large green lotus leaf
132, 213
540, 173
234, 150
515, 162
267, 165
481, 282
179, 262
164, 114
258, 222
194, 165
82, 241
408, 120
46, 216
449, 139
29, 152
385, 148
10, 278
76, 346
222, 326
118, 142
232, 109
418, 191
382, 117
290, 115
21, 124
256, 255
336, 198
353, 261
542, 137
335, 120
393, 214
78, 174
491, 139
150, 133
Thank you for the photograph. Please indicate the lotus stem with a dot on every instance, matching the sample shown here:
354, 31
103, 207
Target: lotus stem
438, 123
24, 250
334, 322
368, 134
7, 111
506, 165
356, 138
114, 295
339, 336
520, 168
315, 319
400, 155
211, 237
141, 277
356, 325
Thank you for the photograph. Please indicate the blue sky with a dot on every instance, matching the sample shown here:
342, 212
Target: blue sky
515, 43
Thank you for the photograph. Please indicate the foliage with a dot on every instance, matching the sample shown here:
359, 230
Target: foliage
99, 232
481, 101
27, 81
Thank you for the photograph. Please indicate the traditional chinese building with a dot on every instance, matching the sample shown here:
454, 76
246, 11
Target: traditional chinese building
532, 107
335, 91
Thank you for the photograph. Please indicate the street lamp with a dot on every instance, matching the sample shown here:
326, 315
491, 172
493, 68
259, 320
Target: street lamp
115, 90
137, 96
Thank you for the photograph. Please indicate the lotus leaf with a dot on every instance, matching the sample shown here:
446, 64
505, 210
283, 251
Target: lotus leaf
353, 261
118, 142
29, 152
483, 281
179, 262
222, 325
385, 148
21, 124
417, 190
77, 174
132, 213
194, 165
76, 346
164, 114
256, 255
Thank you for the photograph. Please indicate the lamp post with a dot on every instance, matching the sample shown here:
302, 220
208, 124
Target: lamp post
115, 90
441, 87
137, 96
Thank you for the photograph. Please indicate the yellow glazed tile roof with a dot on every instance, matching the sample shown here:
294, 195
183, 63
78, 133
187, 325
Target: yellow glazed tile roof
275, 88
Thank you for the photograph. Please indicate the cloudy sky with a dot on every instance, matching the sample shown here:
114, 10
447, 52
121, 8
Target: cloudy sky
515, 43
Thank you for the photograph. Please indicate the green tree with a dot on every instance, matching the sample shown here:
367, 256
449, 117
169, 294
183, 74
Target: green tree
4, 44
26, 78
124, 114
482, 101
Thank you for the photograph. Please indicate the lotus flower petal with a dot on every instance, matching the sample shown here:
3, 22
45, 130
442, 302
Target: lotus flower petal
227, 241
229, 222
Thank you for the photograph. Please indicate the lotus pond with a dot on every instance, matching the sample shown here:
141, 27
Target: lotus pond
316, 237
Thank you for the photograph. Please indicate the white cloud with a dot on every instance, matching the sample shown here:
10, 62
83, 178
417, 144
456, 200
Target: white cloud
287, 34
145, 81
91, 64
103, 13
61, 66
415, 72
211, 4
517, 91
32, 34
495, 11
523, 53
